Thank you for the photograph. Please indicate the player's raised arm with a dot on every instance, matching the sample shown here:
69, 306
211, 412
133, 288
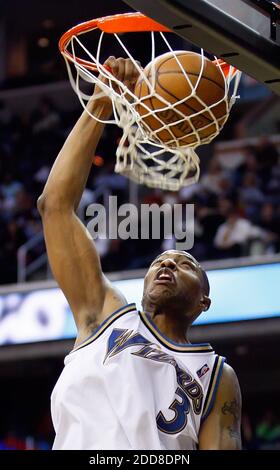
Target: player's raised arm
72, 254
221, 430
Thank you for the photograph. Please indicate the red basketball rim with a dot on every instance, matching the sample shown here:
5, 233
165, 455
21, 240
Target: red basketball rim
113, 24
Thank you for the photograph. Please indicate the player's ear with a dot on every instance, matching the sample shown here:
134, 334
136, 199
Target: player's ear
205, 303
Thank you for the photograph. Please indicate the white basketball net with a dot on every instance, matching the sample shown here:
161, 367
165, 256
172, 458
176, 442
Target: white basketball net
141, 155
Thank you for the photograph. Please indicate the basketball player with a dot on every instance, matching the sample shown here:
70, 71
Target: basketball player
133, 380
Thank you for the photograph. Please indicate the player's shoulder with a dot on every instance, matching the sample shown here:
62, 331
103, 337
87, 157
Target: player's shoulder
229, 381
229, 373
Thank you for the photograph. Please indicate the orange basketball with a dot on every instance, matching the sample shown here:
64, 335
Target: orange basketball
171, 84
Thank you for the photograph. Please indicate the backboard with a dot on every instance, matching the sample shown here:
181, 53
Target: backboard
246, 33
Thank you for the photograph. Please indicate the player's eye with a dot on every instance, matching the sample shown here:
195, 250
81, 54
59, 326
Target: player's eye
156, 262
186, 264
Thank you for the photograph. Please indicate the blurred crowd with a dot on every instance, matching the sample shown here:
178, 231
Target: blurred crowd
237, 211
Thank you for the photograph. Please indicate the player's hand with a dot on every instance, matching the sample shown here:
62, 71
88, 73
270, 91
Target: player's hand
123, 70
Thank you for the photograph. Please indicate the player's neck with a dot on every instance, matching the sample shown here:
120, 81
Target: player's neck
174, 328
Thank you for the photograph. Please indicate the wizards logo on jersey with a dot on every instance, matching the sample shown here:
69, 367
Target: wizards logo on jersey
188, 390
122, 339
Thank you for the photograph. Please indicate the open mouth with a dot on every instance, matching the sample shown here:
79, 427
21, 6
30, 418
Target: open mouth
164, 276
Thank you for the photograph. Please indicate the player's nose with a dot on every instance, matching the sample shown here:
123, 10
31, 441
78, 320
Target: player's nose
168, 263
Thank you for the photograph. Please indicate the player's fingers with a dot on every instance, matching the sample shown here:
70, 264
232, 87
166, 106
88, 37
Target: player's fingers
131, 74
121, 69
131, 71
113, 65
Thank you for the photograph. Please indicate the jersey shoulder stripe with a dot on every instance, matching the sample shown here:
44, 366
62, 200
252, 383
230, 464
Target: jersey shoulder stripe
213, 386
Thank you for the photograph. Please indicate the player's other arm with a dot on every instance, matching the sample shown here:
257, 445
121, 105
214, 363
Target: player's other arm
221, 429
72, 254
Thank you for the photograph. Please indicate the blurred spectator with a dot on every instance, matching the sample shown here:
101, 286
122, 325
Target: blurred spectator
250, 195
233, 235
24, 203
269, 221
6, 205
11, 238
45, 117
212, 179
249, 164
10, 187
32, 226
267, 158
207, 222
227, 189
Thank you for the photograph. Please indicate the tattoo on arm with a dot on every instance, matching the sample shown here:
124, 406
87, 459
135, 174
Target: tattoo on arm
233, 408
233, 433
235, 438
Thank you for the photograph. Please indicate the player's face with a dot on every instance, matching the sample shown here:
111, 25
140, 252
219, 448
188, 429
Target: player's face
174, 278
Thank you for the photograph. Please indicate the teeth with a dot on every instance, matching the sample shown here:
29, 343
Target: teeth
164, 276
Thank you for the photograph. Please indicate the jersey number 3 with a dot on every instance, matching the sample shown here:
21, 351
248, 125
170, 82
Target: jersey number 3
181, 409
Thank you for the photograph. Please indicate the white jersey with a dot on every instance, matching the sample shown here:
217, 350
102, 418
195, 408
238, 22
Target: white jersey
130, 387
